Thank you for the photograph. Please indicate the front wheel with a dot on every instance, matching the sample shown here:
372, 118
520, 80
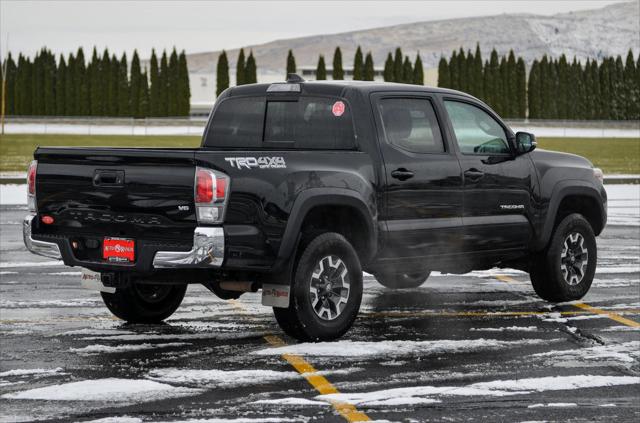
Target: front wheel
326, 291
403, 280
144, 303
565, 270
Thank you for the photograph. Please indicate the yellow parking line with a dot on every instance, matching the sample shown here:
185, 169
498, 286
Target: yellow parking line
610, 315
306, 370
590, 309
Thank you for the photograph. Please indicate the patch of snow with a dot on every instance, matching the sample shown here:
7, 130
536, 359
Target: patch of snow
105, 390
11, 194
621, 329
72, 302
494, 388
219, 378
626, 354
177, 336
554, 404
290, 401
101, 349
507, 329
28, 372
394, 348
121, 419
10, 265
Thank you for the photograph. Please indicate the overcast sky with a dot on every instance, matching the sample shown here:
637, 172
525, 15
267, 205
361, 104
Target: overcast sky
197, 26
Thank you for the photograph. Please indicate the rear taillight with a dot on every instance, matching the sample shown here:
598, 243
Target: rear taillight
31, 186
211, 189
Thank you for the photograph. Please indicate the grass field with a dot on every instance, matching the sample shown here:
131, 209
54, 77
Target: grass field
613, 155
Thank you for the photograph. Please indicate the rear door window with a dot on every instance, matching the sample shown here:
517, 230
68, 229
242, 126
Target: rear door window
411, 124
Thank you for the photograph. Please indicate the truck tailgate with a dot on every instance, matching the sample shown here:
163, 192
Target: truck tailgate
132, 193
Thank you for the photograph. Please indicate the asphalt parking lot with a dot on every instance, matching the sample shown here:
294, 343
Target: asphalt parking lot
474, 347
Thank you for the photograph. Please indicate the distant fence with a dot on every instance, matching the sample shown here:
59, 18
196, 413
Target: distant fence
195, 126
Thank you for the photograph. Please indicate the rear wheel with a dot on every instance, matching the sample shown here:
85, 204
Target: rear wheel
144, 303
565, 270
326, 291
403, 280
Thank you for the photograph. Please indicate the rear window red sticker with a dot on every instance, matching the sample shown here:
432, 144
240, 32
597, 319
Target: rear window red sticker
338, 108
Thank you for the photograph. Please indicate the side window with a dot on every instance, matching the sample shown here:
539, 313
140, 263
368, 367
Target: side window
309, 123
411, 124
476, 131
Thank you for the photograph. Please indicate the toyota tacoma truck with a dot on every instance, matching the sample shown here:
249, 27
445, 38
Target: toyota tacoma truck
298, 187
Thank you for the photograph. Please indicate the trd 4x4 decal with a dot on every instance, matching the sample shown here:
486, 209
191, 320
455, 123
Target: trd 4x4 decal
263, 162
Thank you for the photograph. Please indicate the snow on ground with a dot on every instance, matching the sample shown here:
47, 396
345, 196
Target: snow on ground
508, 329
626, 354
48, 263
219, 378
394, 348
499, 388
105, 390
106, 349
554, 404
30, 372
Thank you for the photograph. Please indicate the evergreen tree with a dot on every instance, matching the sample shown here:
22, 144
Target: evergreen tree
124, 94
37, 82
418, 71
321, 69
487, 83
154, 89
468, 74
143, 97
82, 87
251, 71
338, 72
61, 79
95, 85
173, 85
222, 73
114, 85
407, 71
369, 71
495, 81
477, 73
605, 89
70, 87
631, 88
454, 79
502, 101
388, 69
184, 90
521, 89
291, 64
461, 71
444, 79
594, 81
135, 85
533, 92
240, 68
164, 84
511, 84
10, 85
563, 85
358, 65
397, 66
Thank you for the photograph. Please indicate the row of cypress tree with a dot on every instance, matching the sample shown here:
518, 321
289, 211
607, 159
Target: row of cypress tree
246, 71
398, 70
555, 89
103, 86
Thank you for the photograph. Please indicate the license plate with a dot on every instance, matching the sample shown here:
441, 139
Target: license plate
118, 249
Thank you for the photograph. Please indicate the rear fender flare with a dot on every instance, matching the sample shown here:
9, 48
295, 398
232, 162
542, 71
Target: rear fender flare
310, 198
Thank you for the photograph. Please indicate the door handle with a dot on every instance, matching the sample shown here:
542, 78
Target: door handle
402, 174
473, 174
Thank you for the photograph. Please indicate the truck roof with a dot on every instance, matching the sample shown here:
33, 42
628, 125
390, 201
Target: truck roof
337, 88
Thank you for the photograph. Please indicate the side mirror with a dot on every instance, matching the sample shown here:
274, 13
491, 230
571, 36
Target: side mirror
525, 142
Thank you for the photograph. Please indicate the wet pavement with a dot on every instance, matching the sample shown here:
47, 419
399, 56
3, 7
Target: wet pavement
460, 348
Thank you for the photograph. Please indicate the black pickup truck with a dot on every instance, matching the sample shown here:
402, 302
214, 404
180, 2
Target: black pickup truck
298, 187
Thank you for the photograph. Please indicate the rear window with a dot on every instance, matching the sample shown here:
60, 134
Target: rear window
303, 123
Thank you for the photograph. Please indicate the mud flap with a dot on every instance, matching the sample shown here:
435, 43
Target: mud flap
93, 281
275, 295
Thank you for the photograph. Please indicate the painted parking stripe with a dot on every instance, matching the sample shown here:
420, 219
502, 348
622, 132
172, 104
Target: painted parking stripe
306, 370
588, 308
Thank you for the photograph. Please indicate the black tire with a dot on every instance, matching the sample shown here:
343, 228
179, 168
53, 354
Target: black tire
301, 320
144, 303
557, 283
403, 280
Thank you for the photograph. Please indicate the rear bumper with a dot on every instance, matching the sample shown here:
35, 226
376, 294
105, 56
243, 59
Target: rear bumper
42, 248
207, 251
